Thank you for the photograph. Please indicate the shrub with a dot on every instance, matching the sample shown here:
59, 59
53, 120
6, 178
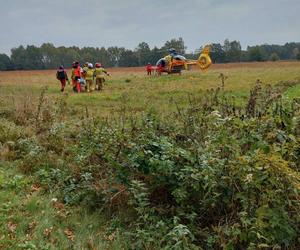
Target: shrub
213, 175
9, 131
274, 57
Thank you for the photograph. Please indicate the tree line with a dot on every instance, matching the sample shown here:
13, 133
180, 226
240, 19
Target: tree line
47, 56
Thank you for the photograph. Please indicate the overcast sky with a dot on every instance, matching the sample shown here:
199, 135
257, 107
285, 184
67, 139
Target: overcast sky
128, 22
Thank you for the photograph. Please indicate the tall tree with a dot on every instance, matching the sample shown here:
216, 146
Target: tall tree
177, 44
295, 53
143, 53
50, 56
128, 59
234, 52
34, 58
115, 55
155, 55
18, 57
255, 54
5, 63
103, 57
217, 53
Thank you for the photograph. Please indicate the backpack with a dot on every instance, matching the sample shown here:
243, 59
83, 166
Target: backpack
61, 74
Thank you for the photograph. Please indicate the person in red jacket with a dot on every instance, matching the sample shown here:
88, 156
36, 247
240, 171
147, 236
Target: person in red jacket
159, 69
74, 82
62, 76
149, 69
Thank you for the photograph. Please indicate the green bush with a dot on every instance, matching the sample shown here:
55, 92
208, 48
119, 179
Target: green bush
9, 131
274, 57
213, 175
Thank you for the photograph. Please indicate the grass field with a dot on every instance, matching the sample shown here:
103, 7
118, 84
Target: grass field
131, 88
32, 215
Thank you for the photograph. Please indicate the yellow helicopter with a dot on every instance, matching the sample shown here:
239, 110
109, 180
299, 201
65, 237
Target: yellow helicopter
175, 63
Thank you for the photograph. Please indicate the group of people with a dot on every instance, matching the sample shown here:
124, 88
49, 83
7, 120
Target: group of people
86, 78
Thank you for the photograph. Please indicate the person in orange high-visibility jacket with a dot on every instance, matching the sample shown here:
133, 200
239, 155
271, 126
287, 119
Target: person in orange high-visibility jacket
76, 73
75, 76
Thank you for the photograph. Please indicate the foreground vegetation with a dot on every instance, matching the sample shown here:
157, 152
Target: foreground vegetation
219, 169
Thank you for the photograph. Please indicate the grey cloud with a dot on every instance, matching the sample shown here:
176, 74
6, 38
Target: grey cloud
126, 23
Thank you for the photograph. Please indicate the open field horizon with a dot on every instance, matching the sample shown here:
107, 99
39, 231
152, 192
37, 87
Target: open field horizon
143, 92
214, 66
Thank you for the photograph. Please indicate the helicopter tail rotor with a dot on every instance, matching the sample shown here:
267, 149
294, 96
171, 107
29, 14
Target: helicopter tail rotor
204, 60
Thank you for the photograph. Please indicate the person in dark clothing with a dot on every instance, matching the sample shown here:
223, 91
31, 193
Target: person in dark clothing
62, 76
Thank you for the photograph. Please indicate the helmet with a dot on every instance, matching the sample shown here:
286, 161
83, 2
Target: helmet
172, 50
90, 65
61, 67
86, 64
98, 65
